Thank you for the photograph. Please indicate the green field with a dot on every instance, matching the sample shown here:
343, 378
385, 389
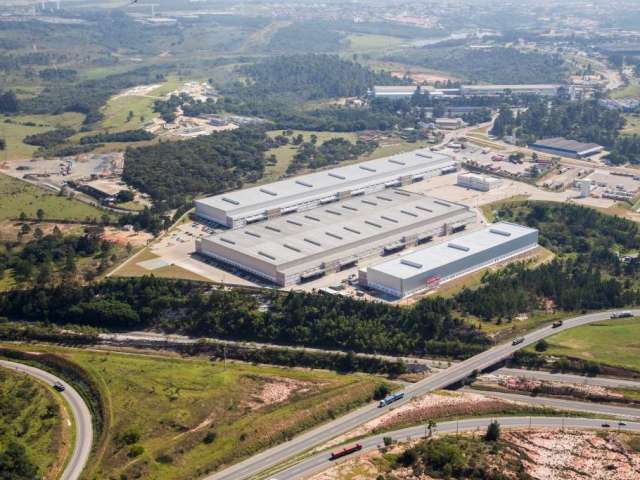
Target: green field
191, 415
612, 342
630, 90
372, 43
17, 130
18, 196
33, 416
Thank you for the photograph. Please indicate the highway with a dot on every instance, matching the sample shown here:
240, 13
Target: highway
319, 435
81, 415
320, 461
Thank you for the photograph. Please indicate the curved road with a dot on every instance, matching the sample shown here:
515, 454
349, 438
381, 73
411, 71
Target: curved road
320, 461
319, 435
80, 412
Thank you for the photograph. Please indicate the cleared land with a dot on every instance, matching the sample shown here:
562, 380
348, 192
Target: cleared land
372, 43
632, 126
174, 418
18, 196
34, 417
615, 343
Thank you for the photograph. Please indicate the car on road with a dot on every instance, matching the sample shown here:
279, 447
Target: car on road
605, 425
518, 341
622, 424
556, 324
58, 386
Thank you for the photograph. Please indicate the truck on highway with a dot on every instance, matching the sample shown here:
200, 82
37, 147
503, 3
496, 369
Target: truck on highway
518, 341
394, 397
345, 451
624, 314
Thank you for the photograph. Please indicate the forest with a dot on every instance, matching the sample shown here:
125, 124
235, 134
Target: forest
331, 152
125, 136
174, 172
585, 121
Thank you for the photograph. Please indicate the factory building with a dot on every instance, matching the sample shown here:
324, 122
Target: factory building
239, 208
566, 148
543, 90
328, 238
429, 267
395, 92
475, 181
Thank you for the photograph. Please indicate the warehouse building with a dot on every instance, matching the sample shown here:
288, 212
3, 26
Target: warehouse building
543, 90
305, 245
475, 181
428, 268
239, 208
566, 148
395, 92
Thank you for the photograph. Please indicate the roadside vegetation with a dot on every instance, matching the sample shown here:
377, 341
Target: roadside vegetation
34, 436
174, 418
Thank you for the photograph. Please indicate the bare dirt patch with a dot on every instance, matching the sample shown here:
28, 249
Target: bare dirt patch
277, 390
124, 237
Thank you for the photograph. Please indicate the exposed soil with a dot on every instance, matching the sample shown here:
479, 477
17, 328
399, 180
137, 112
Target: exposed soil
278, 390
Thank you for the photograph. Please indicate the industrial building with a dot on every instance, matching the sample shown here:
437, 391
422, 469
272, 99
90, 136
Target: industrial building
305, 245
394, 92
236, 209
566, 148
428, 268
475, 181
543, 90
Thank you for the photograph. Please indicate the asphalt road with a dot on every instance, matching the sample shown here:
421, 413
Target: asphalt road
319, 435
568, 378
81, 415
320, 462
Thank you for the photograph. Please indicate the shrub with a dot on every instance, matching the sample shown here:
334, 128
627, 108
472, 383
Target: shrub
209, 437
381, 391
542, 346
135, 451
493, 432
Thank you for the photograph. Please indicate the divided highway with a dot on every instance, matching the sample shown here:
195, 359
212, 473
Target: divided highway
80, 412
319, 435
321, 461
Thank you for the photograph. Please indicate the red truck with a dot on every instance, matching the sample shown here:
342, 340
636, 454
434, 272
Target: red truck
346, 451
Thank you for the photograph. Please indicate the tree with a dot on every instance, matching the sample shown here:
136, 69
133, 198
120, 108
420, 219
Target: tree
493, 432
381, 391
124, 196
15, 463
38, 234
542, 346
40, 214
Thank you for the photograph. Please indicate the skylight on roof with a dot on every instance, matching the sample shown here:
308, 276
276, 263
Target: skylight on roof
304, 184
268, 192
335, 175
230, 200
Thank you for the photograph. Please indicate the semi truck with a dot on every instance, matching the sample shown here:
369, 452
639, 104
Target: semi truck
621, 314
394, 397
345, 451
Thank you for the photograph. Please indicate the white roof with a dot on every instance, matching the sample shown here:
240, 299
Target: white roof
336, 225
326, 183
420, 261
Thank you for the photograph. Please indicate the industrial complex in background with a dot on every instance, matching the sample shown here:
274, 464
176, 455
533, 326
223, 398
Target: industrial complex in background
407, 91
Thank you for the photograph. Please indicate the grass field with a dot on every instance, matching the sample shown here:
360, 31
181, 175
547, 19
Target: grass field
613, 342
35, 417
372, 43
190, 416
18, 196
131, 269
632, 127
630, 90
17, 130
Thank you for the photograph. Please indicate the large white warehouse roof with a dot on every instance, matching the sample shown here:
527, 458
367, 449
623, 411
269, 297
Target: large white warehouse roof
467, 245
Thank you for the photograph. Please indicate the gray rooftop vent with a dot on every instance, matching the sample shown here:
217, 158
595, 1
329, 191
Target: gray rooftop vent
334, 235
497, 231
369, 202
407, 212
335, 175
440, 202
400, 192
423, 155
349, 207
304, 184
269, 192
409, 263
310, 217
389, 219
424, 209
368, 169
271, 257
222, 239
293, 222
352, 230
457, 246
313, 242
369, 222
230, 200
397, 162
386, 199
333, 212
253, 234
273, 229
292, 248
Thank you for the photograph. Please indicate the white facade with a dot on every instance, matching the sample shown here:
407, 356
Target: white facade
478, 182
430, 267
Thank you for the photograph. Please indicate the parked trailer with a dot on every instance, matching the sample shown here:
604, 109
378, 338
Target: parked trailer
394, 397
345, 451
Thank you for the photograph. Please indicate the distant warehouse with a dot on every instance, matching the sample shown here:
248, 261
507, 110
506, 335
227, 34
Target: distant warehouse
567, 148
305, 245
429, 267
239, 208
483, 183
